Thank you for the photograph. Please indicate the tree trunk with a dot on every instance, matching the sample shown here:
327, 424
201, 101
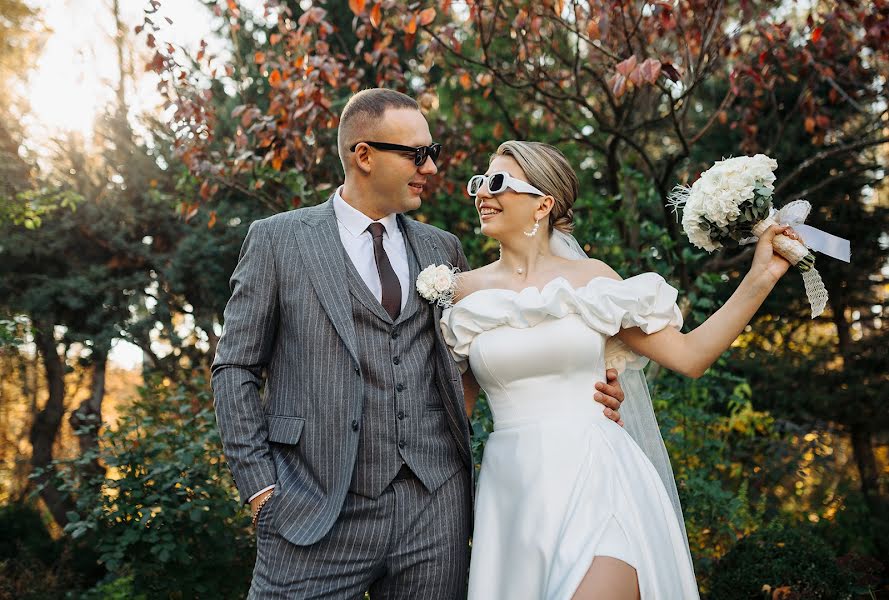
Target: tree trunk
87, 419
47, 423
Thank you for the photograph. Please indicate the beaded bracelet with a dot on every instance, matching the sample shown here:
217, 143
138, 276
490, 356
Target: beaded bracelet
259, 508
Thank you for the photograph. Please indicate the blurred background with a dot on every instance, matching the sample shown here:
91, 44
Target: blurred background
139, 139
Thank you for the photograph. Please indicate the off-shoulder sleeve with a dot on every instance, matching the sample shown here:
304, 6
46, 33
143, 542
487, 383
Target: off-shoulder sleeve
607, 305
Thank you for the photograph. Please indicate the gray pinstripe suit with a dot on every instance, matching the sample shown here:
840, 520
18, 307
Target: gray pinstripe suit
349, 396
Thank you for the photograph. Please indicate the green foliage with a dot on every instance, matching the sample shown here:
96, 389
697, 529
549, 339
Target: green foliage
166, 513
25, 535
777, 557
33, 565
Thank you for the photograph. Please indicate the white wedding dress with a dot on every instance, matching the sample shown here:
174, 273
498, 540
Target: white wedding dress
561, 483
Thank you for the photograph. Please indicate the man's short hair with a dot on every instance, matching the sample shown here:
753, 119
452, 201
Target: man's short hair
363, 111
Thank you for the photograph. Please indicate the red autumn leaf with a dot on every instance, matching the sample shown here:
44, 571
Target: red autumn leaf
376, 16
139, 29
411, 27
822, 121
157, 63
816, 34
205, 190
618, 85
151, 41
650, 70
592, 30
427, 15
357, 6
275, 78
626, 67
670, 71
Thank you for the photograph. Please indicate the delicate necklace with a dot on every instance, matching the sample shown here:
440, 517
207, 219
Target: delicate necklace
518, 270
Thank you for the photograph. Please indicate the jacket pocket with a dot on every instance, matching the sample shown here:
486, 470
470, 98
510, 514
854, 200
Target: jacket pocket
284, 430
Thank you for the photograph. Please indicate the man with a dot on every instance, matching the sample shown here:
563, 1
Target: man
357, 463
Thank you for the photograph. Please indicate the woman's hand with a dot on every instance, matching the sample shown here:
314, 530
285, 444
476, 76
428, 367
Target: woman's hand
766, 260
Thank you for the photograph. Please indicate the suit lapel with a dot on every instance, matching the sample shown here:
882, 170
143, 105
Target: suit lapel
428, 252
323, 254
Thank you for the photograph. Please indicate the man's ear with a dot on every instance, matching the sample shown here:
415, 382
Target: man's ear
363, 157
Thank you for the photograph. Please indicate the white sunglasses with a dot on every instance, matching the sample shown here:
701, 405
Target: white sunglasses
498, 182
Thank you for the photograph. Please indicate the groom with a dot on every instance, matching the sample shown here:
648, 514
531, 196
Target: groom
355, 457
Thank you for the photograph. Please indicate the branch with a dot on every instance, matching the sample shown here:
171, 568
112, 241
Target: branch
831, 179
824, 154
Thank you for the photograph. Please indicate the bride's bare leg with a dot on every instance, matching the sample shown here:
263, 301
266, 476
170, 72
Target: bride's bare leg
608, 579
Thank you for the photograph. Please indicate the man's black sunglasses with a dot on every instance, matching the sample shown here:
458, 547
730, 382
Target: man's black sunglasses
420, 152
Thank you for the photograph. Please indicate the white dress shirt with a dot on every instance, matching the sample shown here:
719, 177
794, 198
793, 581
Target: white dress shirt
356, 239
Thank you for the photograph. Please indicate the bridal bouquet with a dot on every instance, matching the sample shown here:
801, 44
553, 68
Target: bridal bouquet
731, 204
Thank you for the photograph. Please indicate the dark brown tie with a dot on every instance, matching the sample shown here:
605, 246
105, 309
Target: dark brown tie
389, 280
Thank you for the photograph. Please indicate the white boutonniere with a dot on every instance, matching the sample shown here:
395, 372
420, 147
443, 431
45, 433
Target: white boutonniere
438, 284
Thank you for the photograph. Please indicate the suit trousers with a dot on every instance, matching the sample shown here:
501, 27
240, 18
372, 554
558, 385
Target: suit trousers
407, 543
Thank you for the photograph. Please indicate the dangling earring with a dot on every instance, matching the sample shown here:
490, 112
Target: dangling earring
534, 229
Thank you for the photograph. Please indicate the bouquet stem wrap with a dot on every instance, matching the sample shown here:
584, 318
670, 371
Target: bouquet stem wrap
799, 256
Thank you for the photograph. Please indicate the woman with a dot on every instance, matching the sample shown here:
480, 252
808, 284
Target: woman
568, 506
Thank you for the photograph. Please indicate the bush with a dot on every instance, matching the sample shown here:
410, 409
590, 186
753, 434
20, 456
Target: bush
35, 566
165, 519
792, 560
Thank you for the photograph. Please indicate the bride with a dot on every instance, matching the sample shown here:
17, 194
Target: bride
568, 506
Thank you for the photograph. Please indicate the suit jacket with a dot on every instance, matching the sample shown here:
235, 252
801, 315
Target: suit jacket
289, 333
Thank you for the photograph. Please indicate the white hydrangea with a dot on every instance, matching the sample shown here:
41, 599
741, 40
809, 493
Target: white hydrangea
720, 191
438, 284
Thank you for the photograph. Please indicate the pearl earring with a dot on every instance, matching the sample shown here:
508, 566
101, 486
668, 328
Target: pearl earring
534, 229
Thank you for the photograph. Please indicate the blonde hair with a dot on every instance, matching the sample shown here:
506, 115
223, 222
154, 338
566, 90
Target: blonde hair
548, 170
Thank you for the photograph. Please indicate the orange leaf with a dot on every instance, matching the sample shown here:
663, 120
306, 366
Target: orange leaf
275, 78
212, 220
277, 161
411, 27
466, 81
427, 15
618, 84
626, 67
205, 190
816, 34
376, 16
259, 57
650, 70
809, 124
357, 6
274, 38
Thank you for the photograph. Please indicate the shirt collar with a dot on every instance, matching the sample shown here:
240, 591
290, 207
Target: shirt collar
355, 221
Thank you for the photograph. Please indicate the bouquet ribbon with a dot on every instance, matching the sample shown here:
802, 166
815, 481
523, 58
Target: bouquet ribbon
794, 214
